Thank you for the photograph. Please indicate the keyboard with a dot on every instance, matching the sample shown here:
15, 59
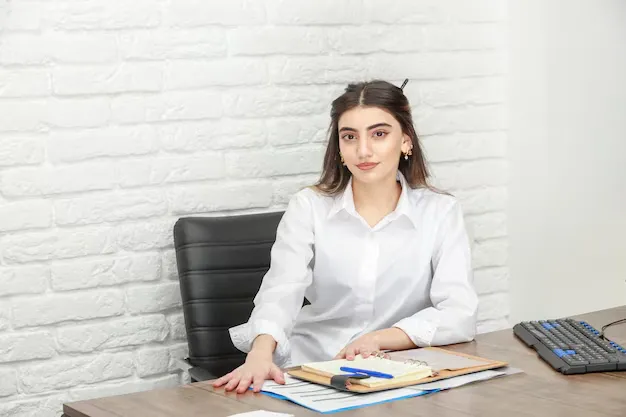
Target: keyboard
571, 346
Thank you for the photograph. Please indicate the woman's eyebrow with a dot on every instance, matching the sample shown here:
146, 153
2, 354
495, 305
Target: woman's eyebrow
378, 125
351, 129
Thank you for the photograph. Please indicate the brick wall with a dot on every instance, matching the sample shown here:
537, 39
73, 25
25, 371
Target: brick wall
118, 117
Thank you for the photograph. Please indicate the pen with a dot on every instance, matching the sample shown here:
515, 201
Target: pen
366, 372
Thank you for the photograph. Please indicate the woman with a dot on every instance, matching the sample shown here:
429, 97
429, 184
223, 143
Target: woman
383, 259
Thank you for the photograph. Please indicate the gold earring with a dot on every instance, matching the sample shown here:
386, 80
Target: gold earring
341, 157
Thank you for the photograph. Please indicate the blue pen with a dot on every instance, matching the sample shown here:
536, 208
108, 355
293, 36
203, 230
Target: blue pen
366, 372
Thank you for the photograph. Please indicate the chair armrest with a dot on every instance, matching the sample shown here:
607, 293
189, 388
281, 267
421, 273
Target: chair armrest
198, 374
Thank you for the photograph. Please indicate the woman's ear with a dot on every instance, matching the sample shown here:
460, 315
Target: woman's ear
406, 143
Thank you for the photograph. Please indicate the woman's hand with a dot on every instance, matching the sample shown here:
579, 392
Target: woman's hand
257, 368
366, 345
372, 343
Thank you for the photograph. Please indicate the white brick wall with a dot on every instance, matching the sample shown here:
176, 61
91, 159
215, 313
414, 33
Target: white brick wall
118, 117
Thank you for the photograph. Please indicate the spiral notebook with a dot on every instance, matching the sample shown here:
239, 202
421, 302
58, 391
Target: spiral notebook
401, 371
408, 368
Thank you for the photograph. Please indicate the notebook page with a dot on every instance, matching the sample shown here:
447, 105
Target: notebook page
436, 359
397, 369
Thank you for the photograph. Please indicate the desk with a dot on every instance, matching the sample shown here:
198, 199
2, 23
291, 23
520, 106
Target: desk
539, 391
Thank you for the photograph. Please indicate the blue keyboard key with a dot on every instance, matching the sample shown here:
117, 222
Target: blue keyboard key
559, 352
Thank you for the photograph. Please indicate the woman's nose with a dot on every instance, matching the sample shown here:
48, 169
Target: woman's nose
364, 149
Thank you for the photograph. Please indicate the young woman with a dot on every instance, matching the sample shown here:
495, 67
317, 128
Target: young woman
383, 259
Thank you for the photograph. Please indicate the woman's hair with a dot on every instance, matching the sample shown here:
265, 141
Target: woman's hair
384, 95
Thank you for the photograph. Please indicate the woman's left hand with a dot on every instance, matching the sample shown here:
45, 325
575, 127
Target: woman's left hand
366, 345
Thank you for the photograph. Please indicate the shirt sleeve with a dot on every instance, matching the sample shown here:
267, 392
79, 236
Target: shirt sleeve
452, 317
281, 294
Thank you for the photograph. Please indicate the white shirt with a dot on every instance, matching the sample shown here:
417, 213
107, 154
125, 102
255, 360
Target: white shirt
412, 270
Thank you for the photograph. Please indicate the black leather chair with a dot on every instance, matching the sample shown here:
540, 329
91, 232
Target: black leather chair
221, 262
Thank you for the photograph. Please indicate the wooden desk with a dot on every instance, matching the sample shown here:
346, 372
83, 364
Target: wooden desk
539, 391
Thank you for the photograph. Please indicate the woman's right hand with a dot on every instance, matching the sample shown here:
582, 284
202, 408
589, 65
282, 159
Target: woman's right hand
257, 368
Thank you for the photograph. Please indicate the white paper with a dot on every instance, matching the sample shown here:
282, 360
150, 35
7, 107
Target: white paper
327, 399
261, 413
458, 381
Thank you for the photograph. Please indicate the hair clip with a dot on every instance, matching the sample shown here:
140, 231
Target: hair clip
404, 83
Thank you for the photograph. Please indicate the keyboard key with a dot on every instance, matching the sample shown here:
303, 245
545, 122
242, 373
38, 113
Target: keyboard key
571, 361
606, 346
597, 361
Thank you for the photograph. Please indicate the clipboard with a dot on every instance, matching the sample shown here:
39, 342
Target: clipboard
351, 384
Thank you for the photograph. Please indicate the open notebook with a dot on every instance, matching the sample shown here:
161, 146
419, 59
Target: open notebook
408, 368
400, 371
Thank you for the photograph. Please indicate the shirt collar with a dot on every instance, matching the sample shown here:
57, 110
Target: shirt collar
345, 201
406, 205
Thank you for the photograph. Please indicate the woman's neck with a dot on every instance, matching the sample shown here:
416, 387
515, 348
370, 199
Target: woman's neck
376, 200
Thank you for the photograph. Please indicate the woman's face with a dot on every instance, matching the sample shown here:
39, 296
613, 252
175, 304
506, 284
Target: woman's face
371, 142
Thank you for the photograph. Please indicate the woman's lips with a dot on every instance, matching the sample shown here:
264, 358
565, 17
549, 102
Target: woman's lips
367, 165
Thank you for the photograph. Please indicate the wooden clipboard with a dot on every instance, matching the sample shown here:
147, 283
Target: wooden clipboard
352, 384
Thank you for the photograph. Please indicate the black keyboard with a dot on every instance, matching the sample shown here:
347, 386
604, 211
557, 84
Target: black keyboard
571, 346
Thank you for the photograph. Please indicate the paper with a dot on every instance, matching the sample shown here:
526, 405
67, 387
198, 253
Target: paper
399, 370
437, 359
458, 381
326, 400
261, 413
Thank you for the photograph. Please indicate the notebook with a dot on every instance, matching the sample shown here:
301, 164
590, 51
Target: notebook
401, 371
407, 367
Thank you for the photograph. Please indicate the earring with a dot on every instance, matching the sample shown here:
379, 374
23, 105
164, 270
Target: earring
341, 157
407, 154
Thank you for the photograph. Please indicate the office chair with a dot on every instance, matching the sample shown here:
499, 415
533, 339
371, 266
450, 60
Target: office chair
221, 262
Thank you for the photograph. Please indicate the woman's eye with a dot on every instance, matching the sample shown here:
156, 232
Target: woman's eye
348, 136
380, 134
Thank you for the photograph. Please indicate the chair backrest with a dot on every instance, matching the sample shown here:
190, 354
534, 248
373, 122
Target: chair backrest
221, 262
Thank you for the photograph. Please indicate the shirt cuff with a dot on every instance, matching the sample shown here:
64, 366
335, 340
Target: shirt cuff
420, 330
243, 336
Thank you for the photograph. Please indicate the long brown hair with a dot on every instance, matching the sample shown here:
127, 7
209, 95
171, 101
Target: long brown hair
377, 93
